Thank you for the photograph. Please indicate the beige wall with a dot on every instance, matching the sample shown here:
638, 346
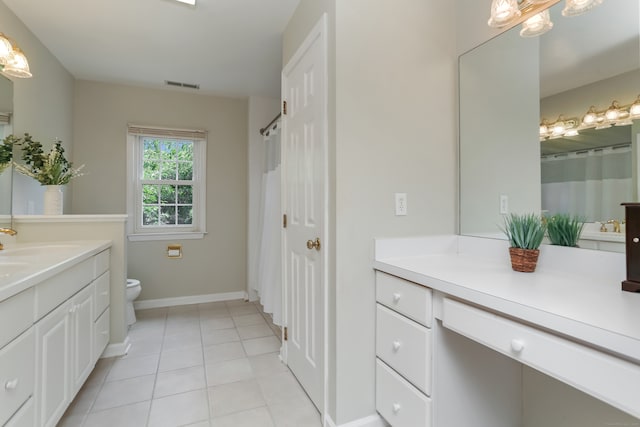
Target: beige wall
42, 104
215, 264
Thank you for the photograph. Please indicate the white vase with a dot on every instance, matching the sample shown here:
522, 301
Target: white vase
53, 200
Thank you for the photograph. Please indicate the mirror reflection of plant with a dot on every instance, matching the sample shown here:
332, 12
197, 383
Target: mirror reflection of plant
6, 151
564, 229
48, 169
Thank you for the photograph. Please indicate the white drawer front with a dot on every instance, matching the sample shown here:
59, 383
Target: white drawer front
399, 403
405, 346
102, 262
17, 362
405, 297
16, 315
54, 291
601, 375
25, 417
101, 333
102, 294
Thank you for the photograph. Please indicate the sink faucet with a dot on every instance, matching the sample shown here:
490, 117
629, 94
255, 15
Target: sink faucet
616, 225
9, 231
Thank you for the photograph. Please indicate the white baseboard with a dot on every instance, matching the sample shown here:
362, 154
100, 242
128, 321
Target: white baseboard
370, 421
192, 299
117, 349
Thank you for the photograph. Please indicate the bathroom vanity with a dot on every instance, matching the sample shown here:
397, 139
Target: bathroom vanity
54, 325
458, 331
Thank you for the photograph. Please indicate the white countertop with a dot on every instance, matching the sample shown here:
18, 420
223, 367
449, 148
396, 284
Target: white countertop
574, 292
24, 265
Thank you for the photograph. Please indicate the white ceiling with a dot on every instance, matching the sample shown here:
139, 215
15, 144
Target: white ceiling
584, 49
228, 47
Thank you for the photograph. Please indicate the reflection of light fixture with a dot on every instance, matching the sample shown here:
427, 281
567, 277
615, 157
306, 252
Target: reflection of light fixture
613, 112
578, 7
614, 115
13, 62
634, 110
503, 12
536, 25
561, 127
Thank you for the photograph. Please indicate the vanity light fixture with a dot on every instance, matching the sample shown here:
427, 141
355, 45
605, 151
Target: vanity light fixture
534, 13
578, 7
13, 61
634, 110
538, 24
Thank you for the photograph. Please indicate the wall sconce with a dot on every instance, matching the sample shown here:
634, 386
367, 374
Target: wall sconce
505, 12
614, 115
13, 62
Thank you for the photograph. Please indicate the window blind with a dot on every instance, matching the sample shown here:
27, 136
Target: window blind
164, 132
5, 118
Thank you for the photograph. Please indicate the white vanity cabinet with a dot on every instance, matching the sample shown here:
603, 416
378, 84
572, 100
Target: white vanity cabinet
49, 350
504, 346
403, 351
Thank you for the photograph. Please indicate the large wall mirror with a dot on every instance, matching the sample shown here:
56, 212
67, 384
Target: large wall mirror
510, 83
6, 121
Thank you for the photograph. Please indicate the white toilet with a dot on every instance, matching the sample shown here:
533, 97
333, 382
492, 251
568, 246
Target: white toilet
132, 292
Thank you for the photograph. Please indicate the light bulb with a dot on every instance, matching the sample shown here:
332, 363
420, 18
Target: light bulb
578, 7
538, 24
503, 12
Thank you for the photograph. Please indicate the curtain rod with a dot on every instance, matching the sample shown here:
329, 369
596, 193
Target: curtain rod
264, 129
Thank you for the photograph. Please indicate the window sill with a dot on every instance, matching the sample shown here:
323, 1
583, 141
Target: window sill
142, 237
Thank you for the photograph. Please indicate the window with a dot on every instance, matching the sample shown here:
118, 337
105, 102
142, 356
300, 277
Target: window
166, 185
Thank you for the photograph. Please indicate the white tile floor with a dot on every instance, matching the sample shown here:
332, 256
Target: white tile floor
200, 365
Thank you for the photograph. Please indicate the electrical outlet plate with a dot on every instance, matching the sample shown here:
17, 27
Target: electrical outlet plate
401, 204
504, 204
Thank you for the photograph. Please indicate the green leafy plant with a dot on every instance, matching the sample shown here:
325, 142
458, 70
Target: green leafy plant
6, 151
564, 229
47, 168
524, 231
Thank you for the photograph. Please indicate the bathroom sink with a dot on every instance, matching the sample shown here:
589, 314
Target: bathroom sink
7, 269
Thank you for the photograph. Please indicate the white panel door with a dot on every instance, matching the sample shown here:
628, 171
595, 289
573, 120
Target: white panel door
304, 203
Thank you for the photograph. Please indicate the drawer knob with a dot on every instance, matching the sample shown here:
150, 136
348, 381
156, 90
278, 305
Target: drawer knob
396, 345
396, 408
517, 345
396, 297
11, 385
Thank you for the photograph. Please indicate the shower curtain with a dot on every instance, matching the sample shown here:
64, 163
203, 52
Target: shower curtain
591, 184
269, 276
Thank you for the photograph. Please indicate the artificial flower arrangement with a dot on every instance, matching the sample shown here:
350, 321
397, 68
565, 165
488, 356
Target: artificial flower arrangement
48, 169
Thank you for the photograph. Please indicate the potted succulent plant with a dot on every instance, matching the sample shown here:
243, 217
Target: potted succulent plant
564, 229
525, 233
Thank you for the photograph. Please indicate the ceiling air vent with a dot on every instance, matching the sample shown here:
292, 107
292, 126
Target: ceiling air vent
180, 84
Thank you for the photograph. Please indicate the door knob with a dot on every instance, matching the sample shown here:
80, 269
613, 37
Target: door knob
314, 244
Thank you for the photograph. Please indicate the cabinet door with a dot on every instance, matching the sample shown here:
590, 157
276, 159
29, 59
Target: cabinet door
53, 345
82, 336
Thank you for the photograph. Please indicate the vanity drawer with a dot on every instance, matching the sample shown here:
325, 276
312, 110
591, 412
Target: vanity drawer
101, 333
25, 417
17, 362
56, 290
405, 297
405, 346
601, 375
16, 315
102, 293
400, 403
101, 262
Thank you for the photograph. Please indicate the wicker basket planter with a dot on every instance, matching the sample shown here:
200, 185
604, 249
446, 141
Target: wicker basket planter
524, 260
